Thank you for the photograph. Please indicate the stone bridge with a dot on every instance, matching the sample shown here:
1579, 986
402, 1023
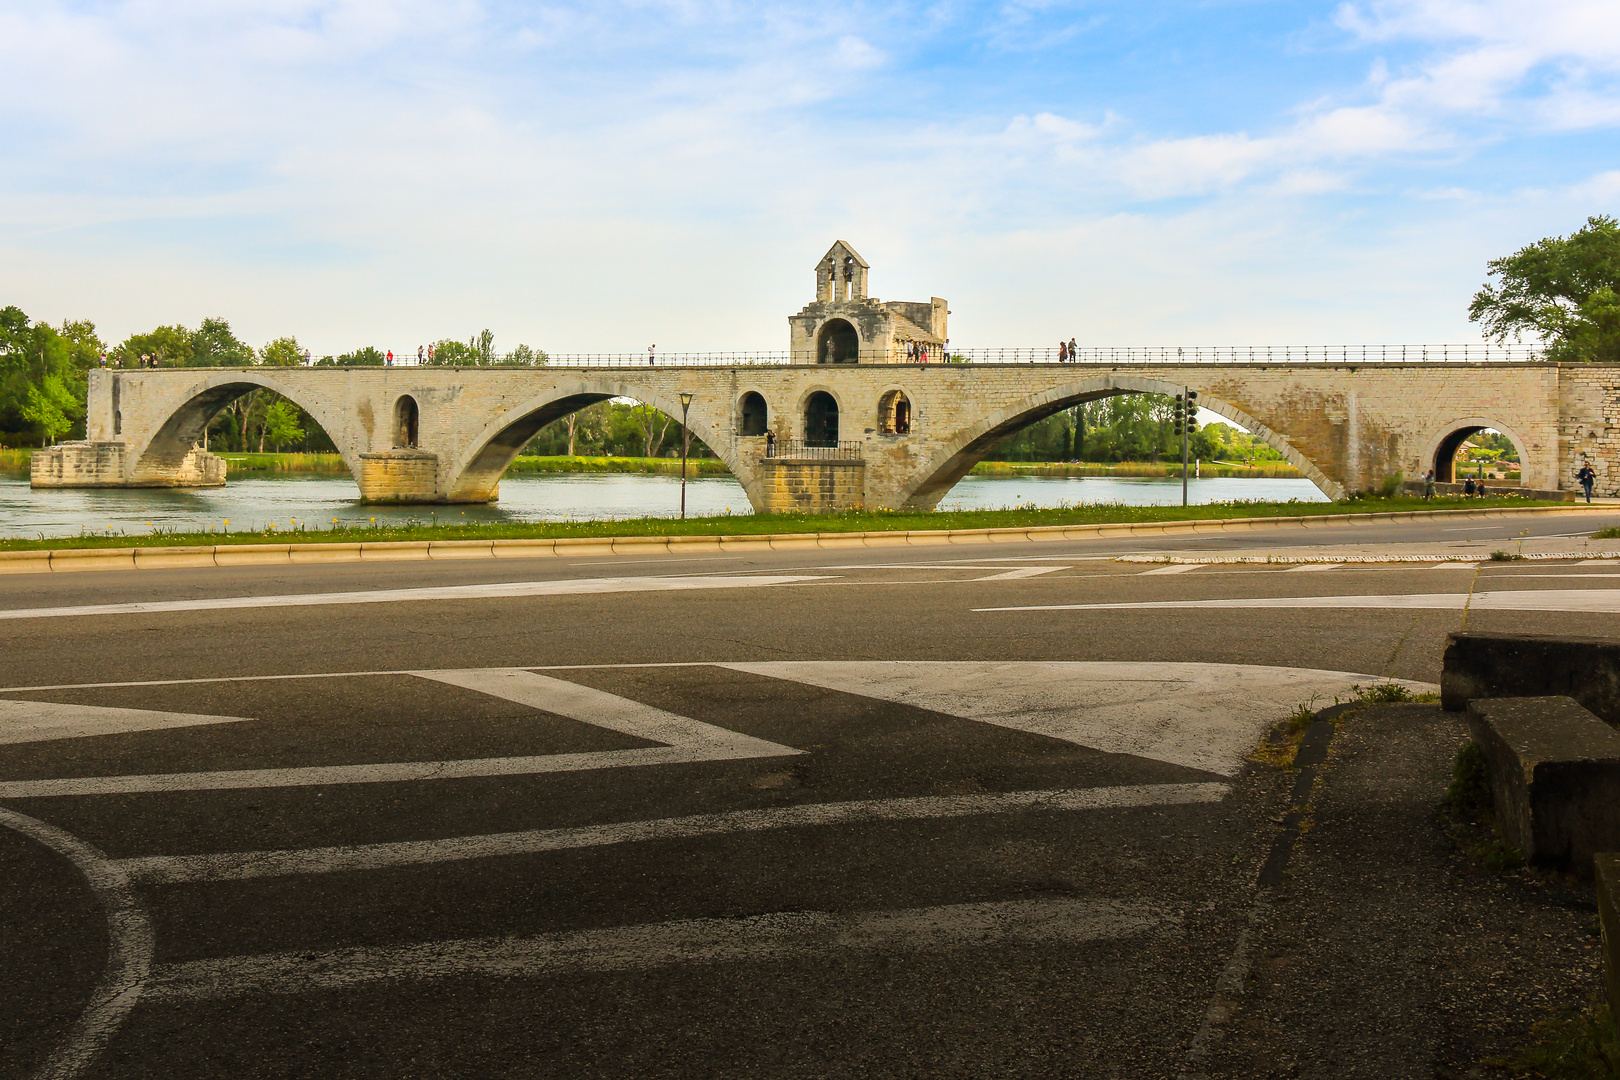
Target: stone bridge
842, 435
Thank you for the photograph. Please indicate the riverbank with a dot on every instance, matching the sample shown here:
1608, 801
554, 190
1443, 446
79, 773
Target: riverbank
758, 524
1271, 470
15, 462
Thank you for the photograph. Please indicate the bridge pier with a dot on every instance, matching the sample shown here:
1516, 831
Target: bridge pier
399, 476
104, 464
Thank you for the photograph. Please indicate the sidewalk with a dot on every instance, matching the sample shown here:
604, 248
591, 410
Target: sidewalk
1387, 952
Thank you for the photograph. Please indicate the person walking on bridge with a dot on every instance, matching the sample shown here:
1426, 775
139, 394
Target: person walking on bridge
1063, 352
1587, 476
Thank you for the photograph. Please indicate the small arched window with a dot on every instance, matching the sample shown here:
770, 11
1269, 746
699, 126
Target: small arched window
751, 414
894, 413
406, 419
820, 420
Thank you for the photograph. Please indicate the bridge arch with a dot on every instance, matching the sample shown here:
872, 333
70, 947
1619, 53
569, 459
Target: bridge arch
198, 402
1447, 439
970, 445
476, 474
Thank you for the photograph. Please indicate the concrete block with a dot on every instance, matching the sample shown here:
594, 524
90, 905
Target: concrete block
94, 559
640, 545
686, 545
25, 562
395, 550
461, 549
584, 545
1495, 665
251, 554
928, 536
743, 543
324, 553
1607, 871
158, 558
524, 549
873, 539
1555, 777
792, 541
970, 536
1008, 536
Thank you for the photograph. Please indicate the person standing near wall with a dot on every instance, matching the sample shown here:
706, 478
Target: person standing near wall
1428, 484
1587, 476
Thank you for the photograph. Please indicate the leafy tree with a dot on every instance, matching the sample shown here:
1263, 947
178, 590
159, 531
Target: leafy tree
282, 352
482, 346
1563, 289
281, 424
527, 357
213, 344
454, 354
50, 405
370, 356
166, 345
42, 374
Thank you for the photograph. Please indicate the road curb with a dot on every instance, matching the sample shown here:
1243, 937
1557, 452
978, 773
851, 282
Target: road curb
155, 557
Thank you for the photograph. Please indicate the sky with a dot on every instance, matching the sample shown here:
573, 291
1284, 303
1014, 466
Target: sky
597, 177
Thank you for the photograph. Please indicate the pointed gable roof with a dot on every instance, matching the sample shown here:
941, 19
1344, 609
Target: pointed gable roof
839, 250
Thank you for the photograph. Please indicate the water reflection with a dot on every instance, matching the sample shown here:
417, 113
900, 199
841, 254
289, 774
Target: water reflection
317, 501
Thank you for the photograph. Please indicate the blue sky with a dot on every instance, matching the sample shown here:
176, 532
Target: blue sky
596, 177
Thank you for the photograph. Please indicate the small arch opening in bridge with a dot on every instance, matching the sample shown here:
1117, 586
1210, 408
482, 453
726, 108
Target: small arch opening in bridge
1489, 445
838, 343
751, 414
894, 413
820, 419
407, 419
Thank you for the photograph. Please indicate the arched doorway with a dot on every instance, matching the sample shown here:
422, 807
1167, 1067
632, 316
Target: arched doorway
820, 420
751, 414
1445, 452
838, 343
894, 413
406, 418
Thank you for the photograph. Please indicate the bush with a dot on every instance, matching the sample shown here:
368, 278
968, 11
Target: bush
1468, 796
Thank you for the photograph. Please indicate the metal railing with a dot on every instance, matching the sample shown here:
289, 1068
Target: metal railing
1474, 353
801, 449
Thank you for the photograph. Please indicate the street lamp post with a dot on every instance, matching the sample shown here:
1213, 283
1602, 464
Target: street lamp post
686, 437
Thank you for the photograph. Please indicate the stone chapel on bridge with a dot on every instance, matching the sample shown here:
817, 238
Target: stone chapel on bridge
845, 326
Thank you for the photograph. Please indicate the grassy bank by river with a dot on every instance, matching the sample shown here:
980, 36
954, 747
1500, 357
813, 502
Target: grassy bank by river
754, 524
1279, 470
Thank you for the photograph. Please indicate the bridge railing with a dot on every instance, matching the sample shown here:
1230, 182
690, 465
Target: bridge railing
1476, 352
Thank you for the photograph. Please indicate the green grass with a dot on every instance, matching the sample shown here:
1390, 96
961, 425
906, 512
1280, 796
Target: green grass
236, 464
672, 466
1268, 469
1570, 1045
426, 527
1606, 534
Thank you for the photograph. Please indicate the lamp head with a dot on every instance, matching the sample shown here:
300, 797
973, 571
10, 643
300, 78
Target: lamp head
686, 399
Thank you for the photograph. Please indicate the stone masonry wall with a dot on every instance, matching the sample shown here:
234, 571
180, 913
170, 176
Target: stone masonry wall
1347, 426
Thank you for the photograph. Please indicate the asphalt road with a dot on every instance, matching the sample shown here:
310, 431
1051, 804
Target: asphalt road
963, 811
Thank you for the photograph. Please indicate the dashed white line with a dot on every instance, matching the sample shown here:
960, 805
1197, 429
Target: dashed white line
1178, 568
1592, 601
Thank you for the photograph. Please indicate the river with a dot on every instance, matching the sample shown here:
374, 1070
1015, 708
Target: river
316, 501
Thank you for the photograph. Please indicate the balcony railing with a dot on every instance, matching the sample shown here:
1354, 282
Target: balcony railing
800, 450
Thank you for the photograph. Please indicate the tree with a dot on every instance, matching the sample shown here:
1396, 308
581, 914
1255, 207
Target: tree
282, 352
167, 345
482, 346
49, 405
1563, 289
454, 354
213, 344
281, 425
527, 357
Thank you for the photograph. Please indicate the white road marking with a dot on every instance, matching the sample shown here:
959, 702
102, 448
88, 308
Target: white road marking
1023, 572
241, 865
686, 740
493, 590
44, 721
129, 948
1589, 601
1454, 566
1178, 568
754, 939
1306, 568
1204, 716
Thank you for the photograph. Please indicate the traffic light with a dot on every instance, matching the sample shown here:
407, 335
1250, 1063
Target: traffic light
1192, 411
